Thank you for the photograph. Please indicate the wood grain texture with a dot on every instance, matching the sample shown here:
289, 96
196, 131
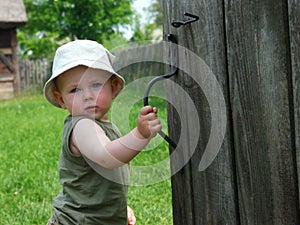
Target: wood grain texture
252, 47
294, 25
260, 81
207, 197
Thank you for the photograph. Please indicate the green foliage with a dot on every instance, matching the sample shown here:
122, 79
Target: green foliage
116, 40
142, 34
146, 32
30, 131
155, 11
51, 22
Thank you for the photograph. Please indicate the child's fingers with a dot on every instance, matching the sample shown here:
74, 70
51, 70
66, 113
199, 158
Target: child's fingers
150, 117
146, 109
148, 123
155, 130
155, 126
154, 122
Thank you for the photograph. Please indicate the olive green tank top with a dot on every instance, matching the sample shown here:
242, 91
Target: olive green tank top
87, 197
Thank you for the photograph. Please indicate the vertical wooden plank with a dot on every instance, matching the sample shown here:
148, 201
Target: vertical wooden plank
28, 68
260, 81
14, 46
206, 197
182, 201
294, 24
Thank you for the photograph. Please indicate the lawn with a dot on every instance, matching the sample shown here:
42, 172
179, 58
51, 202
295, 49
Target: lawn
30, 141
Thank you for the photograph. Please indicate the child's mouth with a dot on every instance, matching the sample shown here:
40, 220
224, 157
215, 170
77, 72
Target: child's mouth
91, 108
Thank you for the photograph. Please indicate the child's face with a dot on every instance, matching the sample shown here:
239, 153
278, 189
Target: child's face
86, 92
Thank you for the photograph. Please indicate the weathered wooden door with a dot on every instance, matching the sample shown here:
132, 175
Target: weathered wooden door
252, 48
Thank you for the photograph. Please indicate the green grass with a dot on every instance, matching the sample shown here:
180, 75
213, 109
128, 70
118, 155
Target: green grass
30, 130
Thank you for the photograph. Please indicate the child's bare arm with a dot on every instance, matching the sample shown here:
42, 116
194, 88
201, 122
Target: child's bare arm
91, 141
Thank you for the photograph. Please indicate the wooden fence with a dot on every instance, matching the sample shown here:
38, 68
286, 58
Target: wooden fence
253, 50
33, 75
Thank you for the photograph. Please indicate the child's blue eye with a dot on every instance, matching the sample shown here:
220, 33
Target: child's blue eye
96, 85
74, 90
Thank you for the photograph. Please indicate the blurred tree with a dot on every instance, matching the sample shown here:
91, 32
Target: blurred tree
148, 32
156, 13
52, 22
116, 40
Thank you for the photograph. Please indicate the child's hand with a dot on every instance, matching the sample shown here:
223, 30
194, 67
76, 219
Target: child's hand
148, 123
131, 217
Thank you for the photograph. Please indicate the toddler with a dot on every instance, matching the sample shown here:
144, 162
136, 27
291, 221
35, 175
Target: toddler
84, 83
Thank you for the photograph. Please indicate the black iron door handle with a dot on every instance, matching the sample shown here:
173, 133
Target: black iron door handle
146, 94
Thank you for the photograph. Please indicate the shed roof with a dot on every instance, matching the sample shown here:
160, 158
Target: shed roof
12, 13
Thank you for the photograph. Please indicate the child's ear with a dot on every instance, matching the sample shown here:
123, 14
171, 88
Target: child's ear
114, 86
57, 95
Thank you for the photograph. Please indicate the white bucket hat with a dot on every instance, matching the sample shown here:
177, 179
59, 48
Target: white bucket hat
80, 52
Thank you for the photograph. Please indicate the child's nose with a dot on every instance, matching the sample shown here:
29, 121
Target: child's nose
88, 94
